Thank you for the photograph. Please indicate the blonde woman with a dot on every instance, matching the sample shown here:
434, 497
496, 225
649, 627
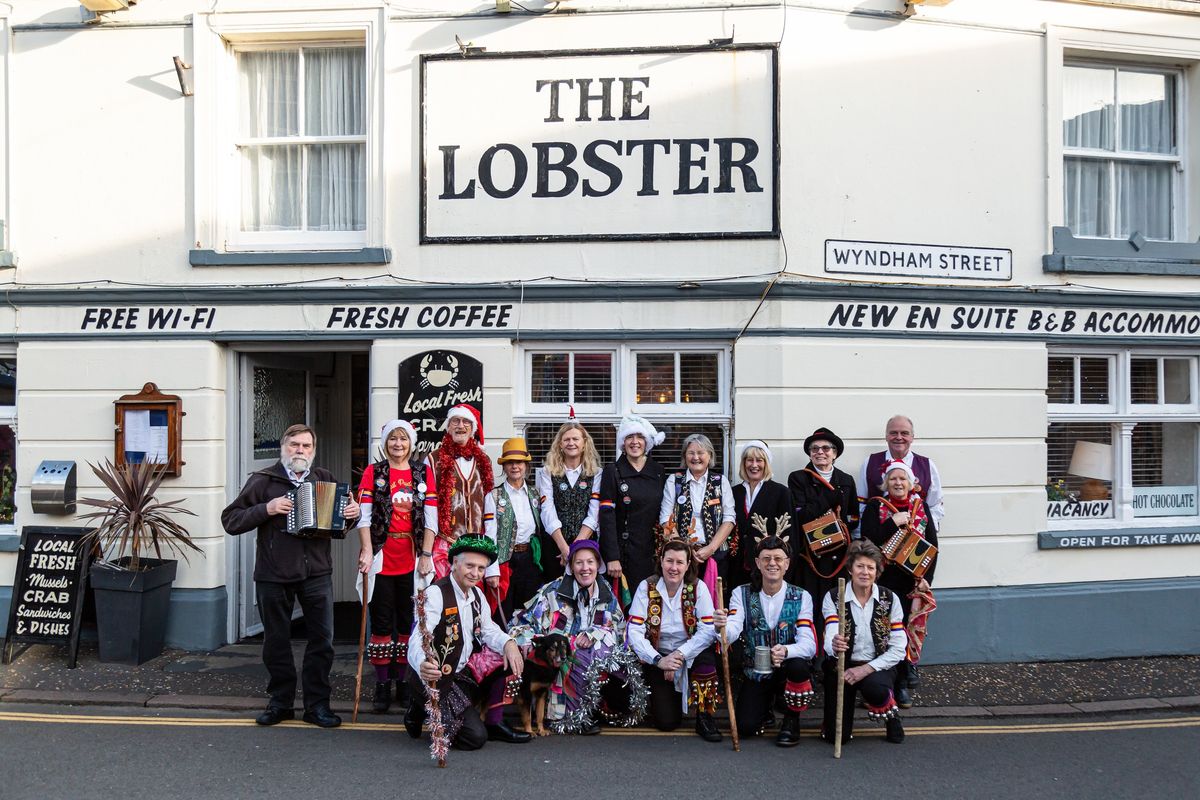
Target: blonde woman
568, 489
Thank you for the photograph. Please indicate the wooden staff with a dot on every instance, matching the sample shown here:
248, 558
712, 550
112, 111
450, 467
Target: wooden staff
841, 671
362, 650
733, 730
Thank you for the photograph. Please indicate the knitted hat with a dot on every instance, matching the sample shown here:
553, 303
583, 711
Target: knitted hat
403, 424
585, 544
471, 414
757, 443
514, 449
474, 544
631, 424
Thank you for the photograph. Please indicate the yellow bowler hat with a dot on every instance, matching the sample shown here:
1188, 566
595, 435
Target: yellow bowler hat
514, 449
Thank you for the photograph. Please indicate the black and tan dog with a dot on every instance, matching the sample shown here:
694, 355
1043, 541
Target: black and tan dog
542, 664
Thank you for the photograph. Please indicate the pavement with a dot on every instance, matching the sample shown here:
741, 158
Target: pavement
233, 678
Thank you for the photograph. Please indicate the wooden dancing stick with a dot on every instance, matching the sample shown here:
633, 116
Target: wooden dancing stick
841, 671
439, 744
733, 730
362, 650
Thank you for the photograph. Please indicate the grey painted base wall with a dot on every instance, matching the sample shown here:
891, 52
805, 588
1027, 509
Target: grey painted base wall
195, 620
1050, 622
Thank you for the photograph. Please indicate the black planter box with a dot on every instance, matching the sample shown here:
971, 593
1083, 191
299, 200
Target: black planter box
131, 608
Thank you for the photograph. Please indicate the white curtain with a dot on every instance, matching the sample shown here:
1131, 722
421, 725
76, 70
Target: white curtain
278, 177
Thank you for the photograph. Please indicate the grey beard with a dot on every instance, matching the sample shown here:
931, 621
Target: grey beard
298, 465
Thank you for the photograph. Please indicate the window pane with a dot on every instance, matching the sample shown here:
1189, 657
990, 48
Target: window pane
1177, 380
1143, 381
1144, 200
593, 378
1164, 469
1060, 380
698, 378
669, 453
280, 400
538, 437
8, 475
548, 378
337, 187
1086, 191
271, 188
1147, 112
8, 381
1093, 381
335, 91
268, 93
655, 378
1088, 107
1079, 467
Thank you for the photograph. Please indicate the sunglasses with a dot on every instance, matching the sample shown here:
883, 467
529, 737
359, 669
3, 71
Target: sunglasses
821, 448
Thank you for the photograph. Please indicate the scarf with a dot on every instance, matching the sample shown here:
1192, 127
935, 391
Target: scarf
446, 455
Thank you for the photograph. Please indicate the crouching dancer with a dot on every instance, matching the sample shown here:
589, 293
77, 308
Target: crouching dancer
874, 642
774, 621
471, 657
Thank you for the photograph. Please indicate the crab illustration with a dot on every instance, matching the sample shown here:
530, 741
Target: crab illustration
440, 375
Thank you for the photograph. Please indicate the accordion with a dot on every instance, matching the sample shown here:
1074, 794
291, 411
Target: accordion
909, 551
823, 534
318, 510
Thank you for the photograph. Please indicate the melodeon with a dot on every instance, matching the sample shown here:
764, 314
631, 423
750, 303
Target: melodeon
318, 510
825, 533
910, 551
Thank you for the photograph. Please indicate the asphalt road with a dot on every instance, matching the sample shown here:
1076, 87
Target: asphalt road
133, 754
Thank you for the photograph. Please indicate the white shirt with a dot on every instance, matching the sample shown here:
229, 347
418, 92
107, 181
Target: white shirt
524, 525
751, 495
805, 645
494, 638
295, 478
545, 489
864, 644
465, 465
933, 493
696, 489
672, 635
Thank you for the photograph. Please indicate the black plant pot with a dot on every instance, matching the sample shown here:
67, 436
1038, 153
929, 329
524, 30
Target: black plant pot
131, 608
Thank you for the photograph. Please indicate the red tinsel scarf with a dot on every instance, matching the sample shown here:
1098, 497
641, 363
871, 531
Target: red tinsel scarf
447, 478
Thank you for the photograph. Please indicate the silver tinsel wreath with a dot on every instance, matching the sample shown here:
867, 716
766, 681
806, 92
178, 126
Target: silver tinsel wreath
620, 661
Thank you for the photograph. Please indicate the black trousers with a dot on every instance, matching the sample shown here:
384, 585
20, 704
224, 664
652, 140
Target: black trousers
523, 583
666, 704
392, 605
472, 735
875, 689
275, 603
756, 698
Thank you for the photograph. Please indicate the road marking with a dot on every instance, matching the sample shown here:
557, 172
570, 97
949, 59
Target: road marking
933, 730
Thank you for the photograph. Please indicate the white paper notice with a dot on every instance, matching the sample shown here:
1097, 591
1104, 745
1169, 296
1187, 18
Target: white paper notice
137, 431
156, 453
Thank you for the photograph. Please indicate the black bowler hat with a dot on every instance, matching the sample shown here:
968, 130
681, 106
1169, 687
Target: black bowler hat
827, 435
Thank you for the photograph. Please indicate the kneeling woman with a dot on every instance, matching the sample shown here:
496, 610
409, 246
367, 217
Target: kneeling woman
584, 609
671, 629
874, 642
775, 616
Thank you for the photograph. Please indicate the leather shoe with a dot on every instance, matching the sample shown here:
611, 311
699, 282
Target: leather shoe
502, 733
591, 729
383, 697
789, 731
706, 728
895, 731
914, 677
322, 717
903, 697
414, 719
275, 715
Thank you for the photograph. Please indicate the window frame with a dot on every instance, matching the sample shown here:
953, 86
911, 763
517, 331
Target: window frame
1079, 412
8, 416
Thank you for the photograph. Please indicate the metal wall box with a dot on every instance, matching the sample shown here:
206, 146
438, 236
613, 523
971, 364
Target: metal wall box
52, 490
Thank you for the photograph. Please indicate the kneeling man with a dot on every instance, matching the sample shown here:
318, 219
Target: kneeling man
471, 658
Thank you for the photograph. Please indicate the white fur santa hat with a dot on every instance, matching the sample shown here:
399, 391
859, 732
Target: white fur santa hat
631, 424
470, 414
892, 466
402, 424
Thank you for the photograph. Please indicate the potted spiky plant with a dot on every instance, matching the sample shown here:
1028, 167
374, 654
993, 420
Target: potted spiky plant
131, 578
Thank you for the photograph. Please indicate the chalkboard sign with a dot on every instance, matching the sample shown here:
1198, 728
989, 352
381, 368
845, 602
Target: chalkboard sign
430, 384
47, 598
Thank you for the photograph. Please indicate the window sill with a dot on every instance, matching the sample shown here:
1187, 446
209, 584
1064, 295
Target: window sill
10, 539
365, 255
1133, 256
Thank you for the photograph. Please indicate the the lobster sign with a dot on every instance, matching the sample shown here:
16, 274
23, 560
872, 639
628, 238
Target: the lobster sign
432, 382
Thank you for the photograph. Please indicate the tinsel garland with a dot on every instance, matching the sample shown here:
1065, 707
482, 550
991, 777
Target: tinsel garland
619, 661
439, 743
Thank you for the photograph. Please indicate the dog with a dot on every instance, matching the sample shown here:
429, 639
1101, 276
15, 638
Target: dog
543, 663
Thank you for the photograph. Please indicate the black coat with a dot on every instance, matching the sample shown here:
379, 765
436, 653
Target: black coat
810, 499
627, 529
279, 556
771, 502
898, 580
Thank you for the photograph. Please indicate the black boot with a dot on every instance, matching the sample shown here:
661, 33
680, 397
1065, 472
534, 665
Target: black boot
789, 731
706, 728
383, 697
414, 719
900, 686
402, 694
895, 731
914, 677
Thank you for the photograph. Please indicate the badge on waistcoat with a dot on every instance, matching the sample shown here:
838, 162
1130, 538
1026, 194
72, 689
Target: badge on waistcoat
562, 487
683, 498
624, 487
421, 487
502, 502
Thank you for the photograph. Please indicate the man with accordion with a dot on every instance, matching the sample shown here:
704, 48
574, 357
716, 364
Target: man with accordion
293, 563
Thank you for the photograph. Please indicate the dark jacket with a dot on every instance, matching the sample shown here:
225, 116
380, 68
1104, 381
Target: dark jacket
771, 503
810, 499
627, 528
279, 556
